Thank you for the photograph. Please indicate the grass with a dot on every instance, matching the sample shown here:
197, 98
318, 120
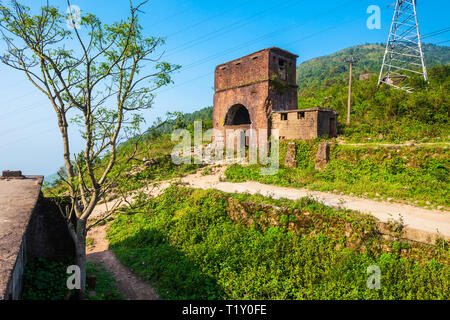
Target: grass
418, 175
157, 149
204, 244
46, 280
105, 288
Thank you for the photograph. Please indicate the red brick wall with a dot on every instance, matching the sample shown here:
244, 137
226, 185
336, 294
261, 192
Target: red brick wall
246, 81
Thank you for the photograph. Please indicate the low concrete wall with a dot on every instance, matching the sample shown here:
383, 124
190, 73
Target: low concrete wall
30, 227
47, 235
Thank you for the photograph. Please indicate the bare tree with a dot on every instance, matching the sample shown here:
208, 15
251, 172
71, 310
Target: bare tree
98, 75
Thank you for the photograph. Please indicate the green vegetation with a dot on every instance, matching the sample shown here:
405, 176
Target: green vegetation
185, 120
204, 244
155, 147
331, 69
197, 244
46, 280
418, 174
105, 287
380, 113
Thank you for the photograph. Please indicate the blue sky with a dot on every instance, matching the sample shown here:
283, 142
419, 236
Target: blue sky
199, 35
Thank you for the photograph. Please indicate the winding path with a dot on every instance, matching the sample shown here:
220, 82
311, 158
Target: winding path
420, 224
129, 285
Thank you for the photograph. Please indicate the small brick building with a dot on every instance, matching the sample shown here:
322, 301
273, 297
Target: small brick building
251, 90
305, 124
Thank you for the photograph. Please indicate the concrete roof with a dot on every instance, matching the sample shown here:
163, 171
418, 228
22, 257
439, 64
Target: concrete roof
306, 110
275, 49
18, 197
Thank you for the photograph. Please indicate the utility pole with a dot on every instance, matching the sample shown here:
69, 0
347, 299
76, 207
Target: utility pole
352, 60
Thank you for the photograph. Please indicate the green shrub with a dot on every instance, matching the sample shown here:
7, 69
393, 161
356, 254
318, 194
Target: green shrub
186, 245
47, 280
417, 174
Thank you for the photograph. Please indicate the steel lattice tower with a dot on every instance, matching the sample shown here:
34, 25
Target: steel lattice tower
404, 55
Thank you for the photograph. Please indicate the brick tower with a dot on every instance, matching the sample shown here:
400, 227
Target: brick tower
248, 89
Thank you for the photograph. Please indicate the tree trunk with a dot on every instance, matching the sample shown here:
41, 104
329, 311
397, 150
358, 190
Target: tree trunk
80, 247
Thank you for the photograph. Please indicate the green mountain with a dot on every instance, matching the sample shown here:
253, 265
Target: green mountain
392, 114
328, 70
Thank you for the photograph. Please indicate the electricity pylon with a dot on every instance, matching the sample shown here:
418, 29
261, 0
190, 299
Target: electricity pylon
404, 55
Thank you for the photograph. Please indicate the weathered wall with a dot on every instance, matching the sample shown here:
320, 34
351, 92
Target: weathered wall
249, 81
327, 123
283, 85
293, 128
47, 234
264, 83
253, 97
243, 71
30, 227
305, 124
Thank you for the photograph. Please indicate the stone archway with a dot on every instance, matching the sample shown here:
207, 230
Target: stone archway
237, 115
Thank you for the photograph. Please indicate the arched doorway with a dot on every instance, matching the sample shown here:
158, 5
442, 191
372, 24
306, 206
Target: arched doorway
237, 115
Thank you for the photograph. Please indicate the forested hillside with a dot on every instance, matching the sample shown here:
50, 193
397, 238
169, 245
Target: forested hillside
328, 70
380, 113
185, 120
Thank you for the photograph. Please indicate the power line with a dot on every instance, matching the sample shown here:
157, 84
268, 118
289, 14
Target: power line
301, 39
443, 41
28, 107
180, 48
203, 21
436, 33
253, 41
249, 43
210, 73
236, 25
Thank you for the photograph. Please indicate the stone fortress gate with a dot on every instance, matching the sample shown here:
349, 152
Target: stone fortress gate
259, 91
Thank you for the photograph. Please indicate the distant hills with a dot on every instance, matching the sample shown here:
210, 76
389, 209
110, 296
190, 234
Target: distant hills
327, 70
315, 76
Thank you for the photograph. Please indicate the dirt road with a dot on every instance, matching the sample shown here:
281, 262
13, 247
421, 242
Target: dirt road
431, 221
419, 222
130, 285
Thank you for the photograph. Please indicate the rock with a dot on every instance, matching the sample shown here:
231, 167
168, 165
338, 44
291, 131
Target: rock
150, 162
91, 281
112, 196
290, 159
92, 293
7, 174
323, 156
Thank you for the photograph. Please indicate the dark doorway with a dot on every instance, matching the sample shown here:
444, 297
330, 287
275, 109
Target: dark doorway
237, 115
332, 127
